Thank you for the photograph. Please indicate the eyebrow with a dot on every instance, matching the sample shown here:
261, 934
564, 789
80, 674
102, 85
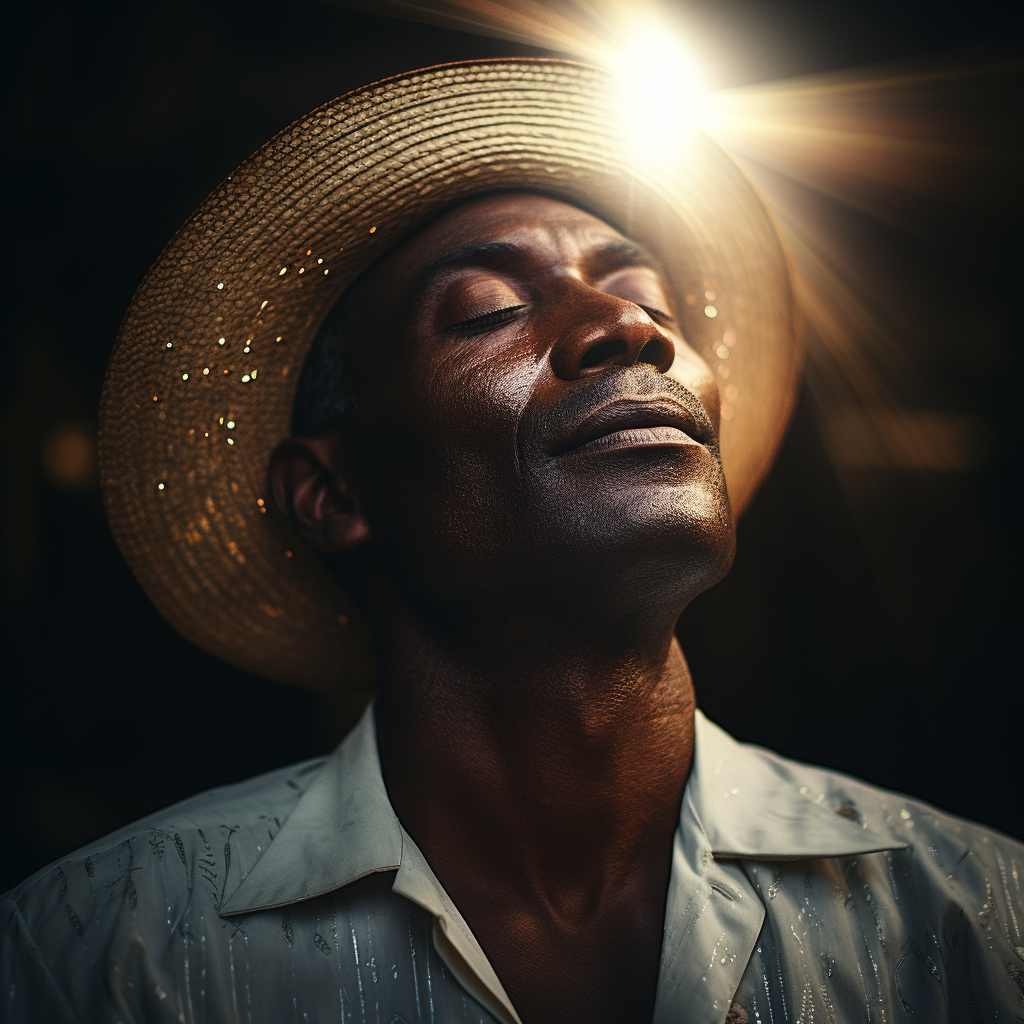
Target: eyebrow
475, 254
623, 252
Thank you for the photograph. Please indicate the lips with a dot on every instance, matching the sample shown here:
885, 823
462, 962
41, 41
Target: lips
628, 424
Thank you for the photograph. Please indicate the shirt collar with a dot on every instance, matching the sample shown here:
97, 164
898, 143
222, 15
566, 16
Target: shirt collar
754, 804
749, 802
342, 828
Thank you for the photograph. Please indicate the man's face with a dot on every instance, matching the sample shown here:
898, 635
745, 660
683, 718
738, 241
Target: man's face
530, 419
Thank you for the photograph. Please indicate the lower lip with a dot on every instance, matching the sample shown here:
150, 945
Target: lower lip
639, 437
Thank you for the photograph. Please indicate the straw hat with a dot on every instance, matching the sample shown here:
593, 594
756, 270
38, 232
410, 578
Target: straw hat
201, 382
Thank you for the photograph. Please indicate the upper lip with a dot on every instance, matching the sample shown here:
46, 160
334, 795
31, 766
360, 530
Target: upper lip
624, 414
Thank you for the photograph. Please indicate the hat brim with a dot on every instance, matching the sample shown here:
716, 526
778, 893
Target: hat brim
201, 382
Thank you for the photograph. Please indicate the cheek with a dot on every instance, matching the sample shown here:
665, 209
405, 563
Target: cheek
693, 372
452, 420
476, 403
448, 479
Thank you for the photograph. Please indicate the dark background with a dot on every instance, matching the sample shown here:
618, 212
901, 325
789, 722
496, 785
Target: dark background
870, 622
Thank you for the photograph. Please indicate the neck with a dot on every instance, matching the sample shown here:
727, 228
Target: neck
541, 759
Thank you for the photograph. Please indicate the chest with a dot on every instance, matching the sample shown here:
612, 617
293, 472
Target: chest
604, 971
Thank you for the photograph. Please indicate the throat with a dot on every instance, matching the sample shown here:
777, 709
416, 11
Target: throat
550, 787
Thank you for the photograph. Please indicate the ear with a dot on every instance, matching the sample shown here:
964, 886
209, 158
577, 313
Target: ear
309, 489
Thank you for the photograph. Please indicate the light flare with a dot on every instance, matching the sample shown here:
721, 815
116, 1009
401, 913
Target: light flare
660, 93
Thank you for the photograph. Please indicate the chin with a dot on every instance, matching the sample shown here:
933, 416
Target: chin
691, 532
670, 538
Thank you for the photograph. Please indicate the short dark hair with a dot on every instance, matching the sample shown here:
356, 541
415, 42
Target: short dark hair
326, 394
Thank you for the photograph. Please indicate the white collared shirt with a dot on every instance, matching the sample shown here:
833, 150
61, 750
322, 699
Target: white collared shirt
796, 894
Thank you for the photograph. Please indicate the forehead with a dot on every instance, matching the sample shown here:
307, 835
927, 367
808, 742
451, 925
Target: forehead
519, 218
514, 213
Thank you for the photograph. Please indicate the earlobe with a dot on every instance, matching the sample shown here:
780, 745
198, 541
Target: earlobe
308, 489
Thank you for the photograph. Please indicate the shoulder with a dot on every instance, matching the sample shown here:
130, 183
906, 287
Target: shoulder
753, 801
933, 912
903, 819
136, 882
243, 815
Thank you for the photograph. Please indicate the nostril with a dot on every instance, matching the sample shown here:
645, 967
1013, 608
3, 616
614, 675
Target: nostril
651, 353
604, 352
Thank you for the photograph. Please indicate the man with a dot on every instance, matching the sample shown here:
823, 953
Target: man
508, 449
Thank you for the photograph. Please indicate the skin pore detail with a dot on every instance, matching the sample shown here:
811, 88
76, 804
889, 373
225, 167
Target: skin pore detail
527, 495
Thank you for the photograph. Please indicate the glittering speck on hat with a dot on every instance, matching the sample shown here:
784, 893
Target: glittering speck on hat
231, 440
170, 345
245, 378
220, 341
278, 338
287, 554
282, 272
160, 487
231, 424
206, 371
372, 230
710, 311
263, 305
326, 272
302, 270
156, 398
220, 286
319, 261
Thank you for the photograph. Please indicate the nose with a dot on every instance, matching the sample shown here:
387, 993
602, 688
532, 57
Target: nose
605, 330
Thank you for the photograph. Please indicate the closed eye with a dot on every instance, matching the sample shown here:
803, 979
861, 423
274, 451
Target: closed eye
485, 322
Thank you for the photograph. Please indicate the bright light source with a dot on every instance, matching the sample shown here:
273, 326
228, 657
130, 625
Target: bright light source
660, 92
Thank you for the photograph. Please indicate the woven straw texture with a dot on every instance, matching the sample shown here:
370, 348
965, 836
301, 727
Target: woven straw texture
200, 385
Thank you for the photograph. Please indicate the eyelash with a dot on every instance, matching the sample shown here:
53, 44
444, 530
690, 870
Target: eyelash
486, 321
499, 317
658, 314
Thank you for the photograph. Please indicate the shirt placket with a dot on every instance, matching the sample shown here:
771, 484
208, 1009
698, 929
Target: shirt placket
452, 938
713, 917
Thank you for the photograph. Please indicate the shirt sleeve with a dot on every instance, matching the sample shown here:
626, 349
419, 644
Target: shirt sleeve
29, 993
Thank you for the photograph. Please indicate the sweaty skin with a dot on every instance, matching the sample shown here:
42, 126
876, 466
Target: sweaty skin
526, 497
